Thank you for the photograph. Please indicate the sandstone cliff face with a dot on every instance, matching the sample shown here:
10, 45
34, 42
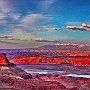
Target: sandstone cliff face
7, 68
77, 61
36, 60
83, 61
3, 60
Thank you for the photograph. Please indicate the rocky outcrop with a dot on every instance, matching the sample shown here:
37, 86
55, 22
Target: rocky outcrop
77, 61
3, 59
19, 72
71, 83
13, 71
32, 84
10, 69
55, 83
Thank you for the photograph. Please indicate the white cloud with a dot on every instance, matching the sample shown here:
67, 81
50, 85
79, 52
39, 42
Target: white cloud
8, 20
32, 23
5, 6
22, 27
2, 16
29, 25
7, 11
73, 23
14, 16
25, 26
45, 4
35, 19
21, 34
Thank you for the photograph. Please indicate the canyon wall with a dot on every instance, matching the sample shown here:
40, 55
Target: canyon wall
38, 59
3, 59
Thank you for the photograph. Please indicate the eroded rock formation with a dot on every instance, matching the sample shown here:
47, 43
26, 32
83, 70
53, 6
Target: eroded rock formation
3, 59
77, 61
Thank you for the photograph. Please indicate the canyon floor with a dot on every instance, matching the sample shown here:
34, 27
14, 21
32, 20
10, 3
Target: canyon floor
15, 78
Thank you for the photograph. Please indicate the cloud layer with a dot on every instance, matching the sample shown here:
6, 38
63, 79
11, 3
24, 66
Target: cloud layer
32, 22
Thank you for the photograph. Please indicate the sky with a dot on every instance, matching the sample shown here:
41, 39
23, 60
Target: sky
29, 23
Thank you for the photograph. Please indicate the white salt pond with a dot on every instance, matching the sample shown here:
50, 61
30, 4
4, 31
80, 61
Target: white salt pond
43, 71
52, 69
76, 75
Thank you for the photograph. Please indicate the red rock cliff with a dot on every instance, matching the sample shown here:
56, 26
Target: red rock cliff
3, 59
81, 61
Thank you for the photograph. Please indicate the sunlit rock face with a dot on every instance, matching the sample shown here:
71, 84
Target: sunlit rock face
77, 61
3, 59
36, 60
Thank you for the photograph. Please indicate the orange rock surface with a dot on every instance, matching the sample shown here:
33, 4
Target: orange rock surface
3, 60
77, 61
83, 61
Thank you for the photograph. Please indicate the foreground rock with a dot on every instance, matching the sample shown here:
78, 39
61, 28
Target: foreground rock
55, 83
7, 68
71, 83
20, 84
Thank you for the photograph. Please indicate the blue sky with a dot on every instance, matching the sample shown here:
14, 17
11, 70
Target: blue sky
23, 22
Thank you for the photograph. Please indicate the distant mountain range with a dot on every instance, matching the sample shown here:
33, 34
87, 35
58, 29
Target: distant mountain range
65, 47
52, 47
47, 50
